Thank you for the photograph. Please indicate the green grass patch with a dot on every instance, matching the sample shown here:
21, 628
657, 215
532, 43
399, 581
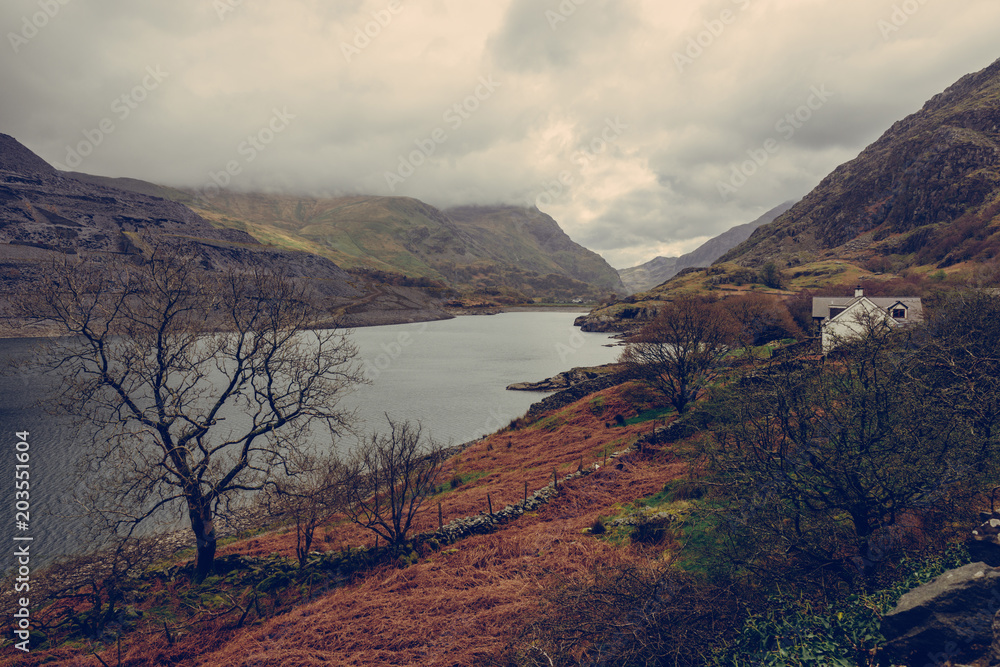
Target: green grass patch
650, 415
461, 479
551, 423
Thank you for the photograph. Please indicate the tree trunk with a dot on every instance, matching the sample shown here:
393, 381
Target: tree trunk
204, 533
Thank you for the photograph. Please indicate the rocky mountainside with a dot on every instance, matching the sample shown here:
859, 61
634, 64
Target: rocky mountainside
48, 216
927, 193
661, 269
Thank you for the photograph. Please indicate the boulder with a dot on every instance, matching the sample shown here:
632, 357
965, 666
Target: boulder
984, 546
951, 616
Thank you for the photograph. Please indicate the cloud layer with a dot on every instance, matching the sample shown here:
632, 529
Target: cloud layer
643, 127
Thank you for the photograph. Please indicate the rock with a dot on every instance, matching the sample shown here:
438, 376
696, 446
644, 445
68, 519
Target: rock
951, 615
564, 380
995, 648
985, 543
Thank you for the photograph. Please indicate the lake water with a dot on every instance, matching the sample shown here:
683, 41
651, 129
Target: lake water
450, 375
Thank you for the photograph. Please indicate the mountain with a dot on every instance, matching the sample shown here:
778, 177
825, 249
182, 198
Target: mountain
645, 276
533, 241
923, 200
48, 216
926, 194
503, 253
661, 269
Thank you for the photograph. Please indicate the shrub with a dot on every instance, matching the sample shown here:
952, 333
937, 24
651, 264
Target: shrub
626, 615
651, 531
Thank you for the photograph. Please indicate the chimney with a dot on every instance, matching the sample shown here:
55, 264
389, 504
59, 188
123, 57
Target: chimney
858, 292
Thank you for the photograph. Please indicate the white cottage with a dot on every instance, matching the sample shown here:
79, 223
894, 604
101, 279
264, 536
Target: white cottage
841, 317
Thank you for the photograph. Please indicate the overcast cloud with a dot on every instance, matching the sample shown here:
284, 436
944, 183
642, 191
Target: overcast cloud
623, 119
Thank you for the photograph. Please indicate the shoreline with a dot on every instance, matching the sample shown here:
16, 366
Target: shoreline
34, 331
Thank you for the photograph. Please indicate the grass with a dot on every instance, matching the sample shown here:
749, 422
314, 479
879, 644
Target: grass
650, 415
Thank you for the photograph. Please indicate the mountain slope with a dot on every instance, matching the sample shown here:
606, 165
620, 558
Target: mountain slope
502, 251
533, 241
659, 270
926, 193
650, 274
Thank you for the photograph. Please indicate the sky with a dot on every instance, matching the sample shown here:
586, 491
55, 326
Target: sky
644, 127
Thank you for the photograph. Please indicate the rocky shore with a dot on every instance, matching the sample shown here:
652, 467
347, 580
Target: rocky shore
564, 380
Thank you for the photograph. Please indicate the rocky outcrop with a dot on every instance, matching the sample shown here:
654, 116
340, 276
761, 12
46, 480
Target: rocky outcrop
950, 617
984, 545
573, 394
564, 380
623, 319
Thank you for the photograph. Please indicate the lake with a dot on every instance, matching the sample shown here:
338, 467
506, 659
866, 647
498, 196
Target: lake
450, 375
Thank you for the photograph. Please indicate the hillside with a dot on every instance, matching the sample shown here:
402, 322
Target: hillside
46, 216
661, 269
501, 252
926, 194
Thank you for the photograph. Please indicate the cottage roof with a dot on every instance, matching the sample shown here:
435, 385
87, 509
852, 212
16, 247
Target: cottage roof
822, 304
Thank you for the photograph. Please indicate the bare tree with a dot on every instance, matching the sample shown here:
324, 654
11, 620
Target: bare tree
392, 475
201, 388
681, 350
311, 498
759, 318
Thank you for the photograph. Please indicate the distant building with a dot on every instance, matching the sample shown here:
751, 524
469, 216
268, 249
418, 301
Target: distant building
839, 318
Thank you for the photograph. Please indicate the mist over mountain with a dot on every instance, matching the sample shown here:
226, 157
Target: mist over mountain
47, 216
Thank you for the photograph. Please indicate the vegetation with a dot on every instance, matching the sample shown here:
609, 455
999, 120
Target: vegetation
824, 461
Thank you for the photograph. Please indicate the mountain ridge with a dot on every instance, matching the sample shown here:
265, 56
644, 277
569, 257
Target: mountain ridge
927, 171
661, 269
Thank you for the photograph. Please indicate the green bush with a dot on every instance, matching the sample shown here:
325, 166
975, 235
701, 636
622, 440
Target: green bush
796, 633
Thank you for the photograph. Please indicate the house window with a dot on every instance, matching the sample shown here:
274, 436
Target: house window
836, 311
899, 313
